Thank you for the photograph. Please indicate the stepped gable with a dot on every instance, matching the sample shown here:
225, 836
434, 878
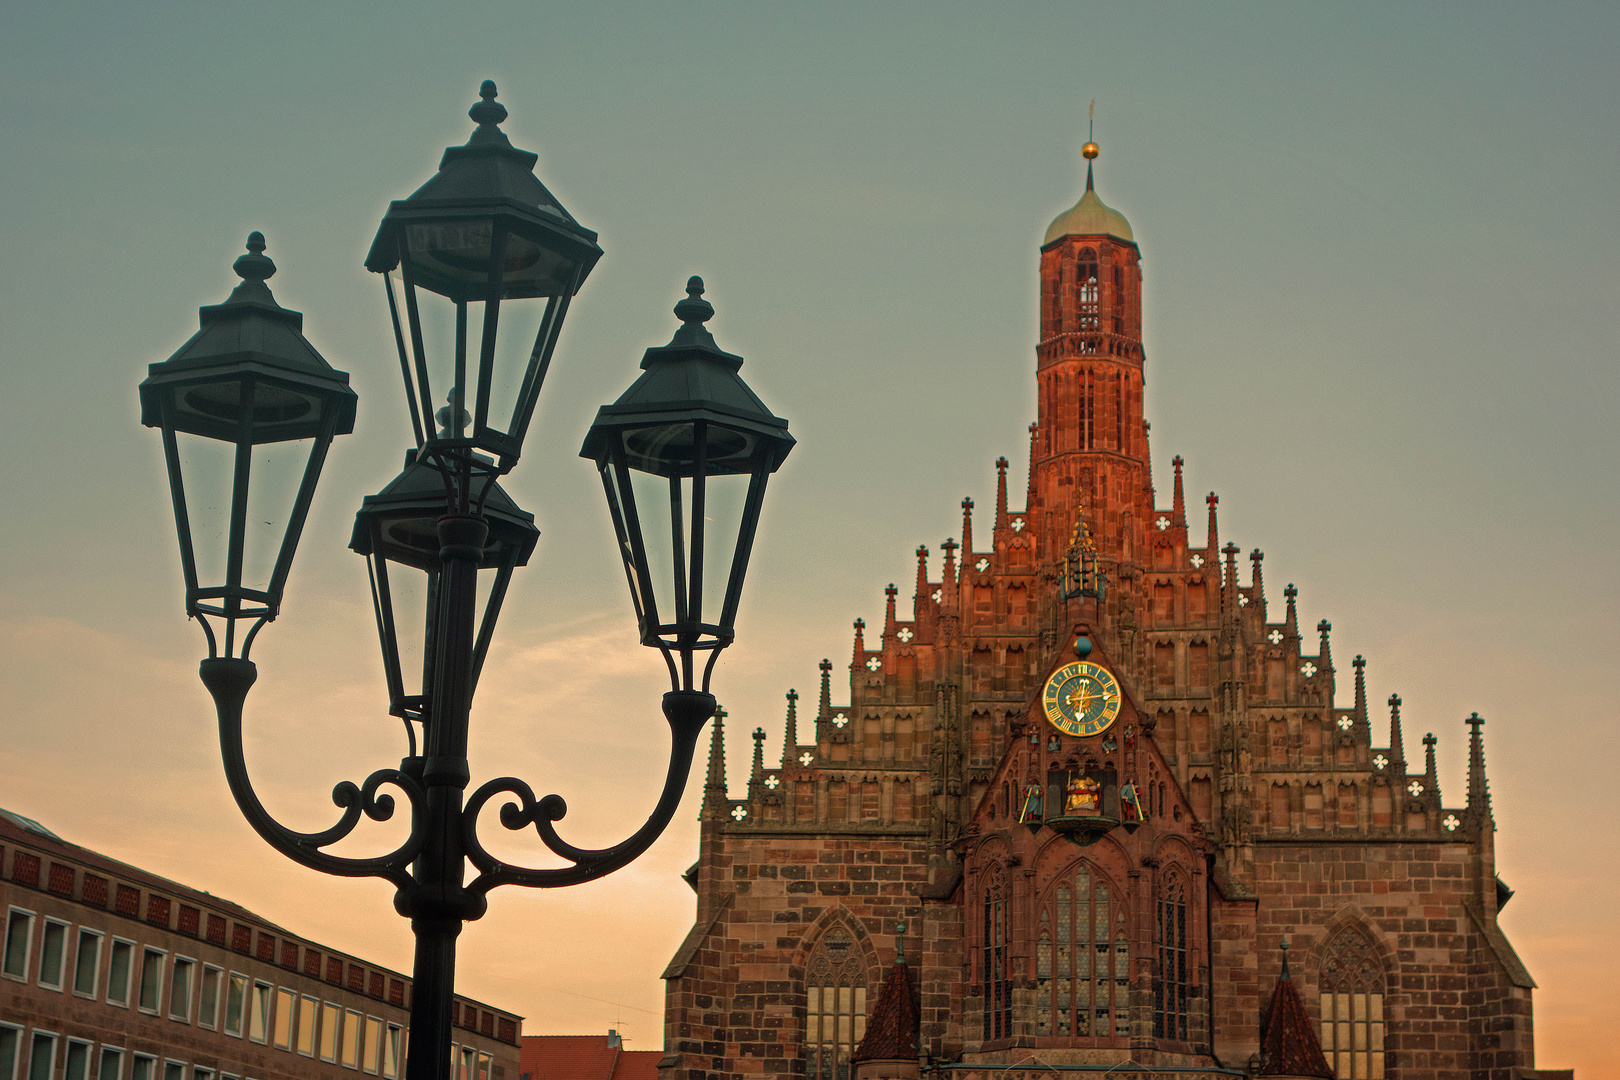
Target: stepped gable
1230, 802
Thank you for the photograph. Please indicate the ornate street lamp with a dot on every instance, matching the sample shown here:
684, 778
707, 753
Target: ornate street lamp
483, 231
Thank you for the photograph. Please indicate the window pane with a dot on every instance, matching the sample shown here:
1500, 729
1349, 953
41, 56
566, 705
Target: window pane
112, 1064
260, 1020
42, 1058
19, 926
286, 1005
306, 1026
174, 1070
52, 954
208, 997
86, 962
78, 1062
118, 968
331, 1017
235, 1004
151, 972
373, 1047
180, 990
1376, 1007
351, 1039
10, 1037
390, 1058
145, 1068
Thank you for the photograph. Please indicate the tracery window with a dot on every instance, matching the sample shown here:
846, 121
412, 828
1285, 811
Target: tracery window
994, 961
835, 1006
1170, 981
1352, 987
1086, 293
1082, 961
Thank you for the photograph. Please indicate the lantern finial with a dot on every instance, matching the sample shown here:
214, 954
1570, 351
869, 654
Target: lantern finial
255, 266
694, 309
487, 112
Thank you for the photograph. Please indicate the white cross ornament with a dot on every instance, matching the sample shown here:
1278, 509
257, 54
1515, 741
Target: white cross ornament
873, 664
1379, 761
1017, 525
839, 720
772, 782
905, 634
1163, 523
1345, 723
738, 814
1275, 637
982, 565
1307, 669
806, 758
1243, 601
937, 594
1197, 561
1450, 823
1415, 787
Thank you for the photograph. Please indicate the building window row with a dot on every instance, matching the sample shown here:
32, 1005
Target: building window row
197, 992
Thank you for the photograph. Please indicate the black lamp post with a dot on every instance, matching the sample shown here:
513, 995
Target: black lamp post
484, 231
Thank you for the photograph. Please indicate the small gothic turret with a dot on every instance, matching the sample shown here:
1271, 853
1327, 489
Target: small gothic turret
889, 593
714, 785
790, 737
1001, 491
824, 709
919, 599
1397, 749
860, 643
967, 529
1324, 659
1431, 779
1178, 505
1291, 619
947, 572
756, 772
1257, 582
1212, 534
1479, 791
1361, 688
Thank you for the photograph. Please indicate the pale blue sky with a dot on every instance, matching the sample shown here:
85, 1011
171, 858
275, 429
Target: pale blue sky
1379, 253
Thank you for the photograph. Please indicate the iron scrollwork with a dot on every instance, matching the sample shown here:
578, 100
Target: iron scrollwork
228, 680
687, 712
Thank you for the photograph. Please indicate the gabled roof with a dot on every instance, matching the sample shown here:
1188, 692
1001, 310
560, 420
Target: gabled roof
584, 1057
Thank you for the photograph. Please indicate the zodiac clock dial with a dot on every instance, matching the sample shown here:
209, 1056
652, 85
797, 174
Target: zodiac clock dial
1081, 699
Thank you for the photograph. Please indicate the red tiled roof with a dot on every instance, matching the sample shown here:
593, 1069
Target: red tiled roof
1290, 1046
584, 1057
892, 1033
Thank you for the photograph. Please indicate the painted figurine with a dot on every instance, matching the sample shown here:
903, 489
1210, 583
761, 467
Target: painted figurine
1032, 802
1130, 807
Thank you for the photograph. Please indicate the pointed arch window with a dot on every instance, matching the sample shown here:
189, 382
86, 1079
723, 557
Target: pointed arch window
1352, 988
835, 1006
1082, 960
994, 962
1170, 990
1086, 289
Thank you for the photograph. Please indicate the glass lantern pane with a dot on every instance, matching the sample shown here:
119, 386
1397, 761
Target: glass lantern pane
517, 326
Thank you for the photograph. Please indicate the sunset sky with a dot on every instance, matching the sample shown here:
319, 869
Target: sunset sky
1381, 280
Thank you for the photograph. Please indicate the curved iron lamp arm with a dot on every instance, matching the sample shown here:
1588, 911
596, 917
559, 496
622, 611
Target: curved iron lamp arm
228, 680
687, 712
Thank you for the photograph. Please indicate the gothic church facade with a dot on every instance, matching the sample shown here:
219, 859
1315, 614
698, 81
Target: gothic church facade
1105, 898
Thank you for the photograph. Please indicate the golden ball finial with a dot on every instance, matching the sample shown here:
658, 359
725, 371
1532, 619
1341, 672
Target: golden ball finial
1089, 150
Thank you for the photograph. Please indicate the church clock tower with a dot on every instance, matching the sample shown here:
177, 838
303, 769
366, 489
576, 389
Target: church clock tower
1090, 444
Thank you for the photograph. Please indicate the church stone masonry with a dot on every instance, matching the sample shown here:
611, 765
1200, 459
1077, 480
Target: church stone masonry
1150, 933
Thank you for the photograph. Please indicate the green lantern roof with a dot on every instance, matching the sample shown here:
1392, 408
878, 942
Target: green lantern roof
1089, 217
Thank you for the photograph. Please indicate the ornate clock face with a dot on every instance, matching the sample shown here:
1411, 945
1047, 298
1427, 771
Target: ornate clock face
1081, 698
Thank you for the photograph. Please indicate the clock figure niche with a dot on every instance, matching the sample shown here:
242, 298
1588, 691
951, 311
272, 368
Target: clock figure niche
1082, 803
